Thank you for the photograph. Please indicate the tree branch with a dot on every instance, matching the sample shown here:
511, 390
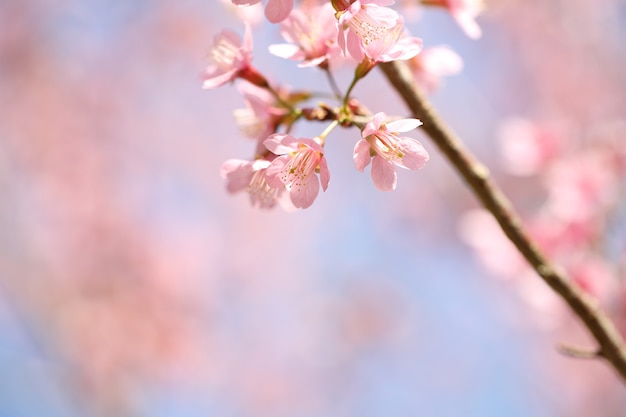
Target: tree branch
611, 345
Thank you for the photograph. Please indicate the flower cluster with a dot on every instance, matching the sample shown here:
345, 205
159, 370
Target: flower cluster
289, 170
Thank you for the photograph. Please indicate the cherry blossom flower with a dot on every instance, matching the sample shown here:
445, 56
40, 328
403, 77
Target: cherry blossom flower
276, 10
464, 12
311, 32
526, 147
251, 176
385, 149
432, 64
295, 168
232, 59
261, 116
368, 29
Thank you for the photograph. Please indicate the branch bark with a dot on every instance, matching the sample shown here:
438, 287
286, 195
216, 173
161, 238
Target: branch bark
476, 175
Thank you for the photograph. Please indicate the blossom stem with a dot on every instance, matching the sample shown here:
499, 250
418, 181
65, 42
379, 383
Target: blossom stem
610, 342
332, 81
326, 132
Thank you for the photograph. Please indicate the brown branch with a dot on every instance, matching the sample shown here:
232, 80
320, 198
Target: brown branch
610, 343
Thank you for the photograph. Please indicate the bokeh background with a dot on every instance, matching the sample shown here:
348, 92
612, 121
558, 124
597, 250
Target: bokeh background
133, 284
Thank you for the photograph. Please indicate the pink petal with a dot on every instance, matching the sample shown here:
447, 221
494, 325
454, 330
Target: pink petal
273, 173
415, 155
304, 196
403, 125
384, 174
280, 143
354, 46
324, 173
441, 61
286, 50
245, 2
468, 24
237, 173
277, 10
374, 124
212, 78
361, 154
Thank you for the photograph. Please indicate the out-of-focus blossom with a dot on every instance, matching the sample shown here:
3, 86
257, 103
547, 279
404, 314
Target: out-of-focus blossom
311, 31
276, 10
464, 12
252, 14
261, 116
582, 186
385, 149
251, 176
231, 57
295, 168
525, 147
368, 29
433, 63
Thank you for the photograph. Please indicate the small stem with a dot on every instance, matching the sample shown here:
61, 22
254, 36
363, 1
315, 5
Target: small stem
332, 82
326, 132
350, 88
610, 342
279, 99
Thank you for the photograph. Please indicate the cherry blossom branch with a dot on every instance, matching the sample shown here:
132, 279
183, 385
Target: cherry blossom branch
611, 344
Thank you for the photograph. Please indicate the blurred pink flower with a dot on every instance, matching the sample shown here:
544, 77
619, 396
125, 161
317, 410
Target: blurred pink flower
276, 10
294, 169
251, 176
526, 147
582, 186
432, 64
231, 59
382, 145
464, 12
311, 32
367, 29
261, 116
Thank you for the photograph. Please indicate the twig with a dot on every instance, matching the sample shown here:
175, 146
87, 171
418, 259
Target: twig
611, 344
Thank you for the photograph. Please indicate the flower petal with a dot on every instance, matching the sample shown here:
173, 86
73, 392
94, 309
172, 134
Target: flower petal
374, 124
384, 174
324, 173
277, 10
304, 196
403, 125
280, 143
361, 154
415, 156
273, 174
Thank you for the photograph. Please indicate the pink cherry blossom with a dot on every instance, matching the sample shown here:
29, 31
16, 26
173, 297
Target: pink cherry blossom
385, 149
231, 57
295, 168
276, 10
261, 116
432, 64
251, 176
368, 29
464, 12
311, 32
526, 147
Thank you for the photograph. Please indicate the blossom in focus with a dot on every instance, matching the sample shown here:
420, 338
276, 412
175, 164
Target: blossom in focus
311, 32
276, 10
296, 167
381, 145
464, 12
432, 64
231, 59
368, 29
251, 176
